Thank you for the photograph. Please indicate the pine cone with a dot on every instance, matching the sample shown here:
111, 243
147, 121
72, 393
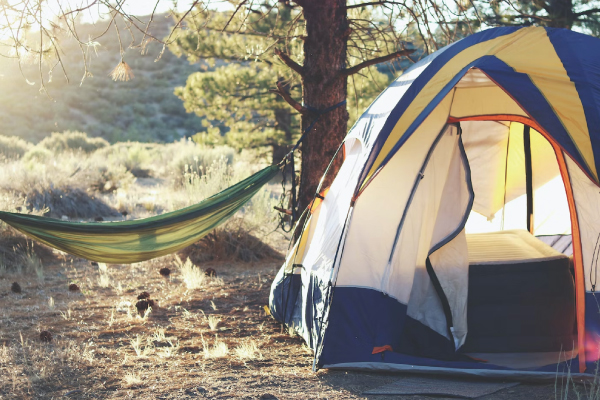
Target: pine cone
166, 272
45, 336
142, 306
143, 296
210, 273
15, 288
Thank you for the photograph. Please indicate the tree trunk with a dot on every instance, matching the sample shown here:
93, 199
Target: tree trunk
561, 13
325, 46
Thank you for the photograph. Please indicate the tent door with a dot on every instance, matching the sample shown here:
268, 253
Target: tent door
438, 298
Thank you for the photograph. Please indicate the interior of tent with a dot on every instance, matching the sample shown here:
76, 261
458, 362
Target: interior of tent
521, 302
521, 293
492, 218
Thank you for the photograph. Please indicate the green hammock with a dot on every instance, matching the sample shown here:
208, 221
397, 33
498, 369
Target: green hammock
140, 240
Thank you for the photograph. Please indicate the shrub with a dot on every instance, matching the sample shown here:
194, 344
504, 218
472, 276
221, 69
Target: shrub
20, 255
72, 140
233, 241
12, 147
136, 157
189, 157
107, 178
72, 202
37, 155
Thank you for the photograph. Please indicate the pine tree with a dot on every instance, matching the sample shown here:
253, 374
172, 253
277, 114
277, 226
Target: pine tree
314, 50
237, 99
583, 15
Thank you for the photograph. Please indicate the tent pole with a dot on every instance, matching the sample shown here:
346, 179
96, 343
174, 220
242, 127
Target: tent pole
528, 176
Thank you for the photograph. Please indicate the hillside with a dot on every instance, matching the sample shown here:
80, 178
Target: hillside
143, 109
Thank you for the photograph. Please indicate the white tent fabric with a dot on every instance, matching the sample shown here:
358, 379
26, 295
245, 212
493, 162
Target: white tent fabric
486, 144
587, 201
450, 261
378, 211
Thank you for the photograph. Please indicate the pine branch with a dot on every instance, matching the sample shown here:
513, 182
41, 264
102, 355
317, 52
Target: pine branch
587, 12
377, 3
373, 3
234, 13
373, 61
289, 62
288, 98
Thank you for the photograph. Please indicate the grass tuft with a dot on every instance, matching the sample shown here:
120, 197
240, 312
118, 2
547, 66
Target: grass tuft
219, 349
248, 351
213, 322
193, 277
132, 379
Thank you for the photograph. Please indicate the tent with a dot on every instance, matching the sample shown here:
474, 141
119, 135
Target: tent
427, 251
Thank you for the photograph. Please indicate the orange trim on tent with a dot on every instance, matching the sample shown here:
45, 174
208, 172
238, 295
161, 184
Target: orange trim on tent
577, 254
577, 257
381, 349
318, 200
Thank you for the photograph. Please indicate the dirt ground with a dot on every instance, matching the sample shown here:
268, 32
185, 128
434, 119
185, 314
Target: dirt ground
102, 348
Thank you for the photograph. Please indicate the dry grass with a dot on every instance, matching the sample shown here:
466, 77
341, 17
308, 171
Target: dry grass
132, 379
104, 279
193, 277
248, 351
213, 322
218, 349
101, 346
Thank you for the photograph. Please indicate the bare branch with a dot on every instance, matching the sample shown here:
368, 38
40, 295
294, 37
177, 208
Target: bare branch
234, 13
288, 98
373, 61
587, 12
373, 3
289, 62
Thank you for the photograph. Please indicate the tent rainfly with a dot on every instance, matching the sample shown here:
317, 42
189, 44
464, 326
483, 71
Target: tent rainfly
428, 251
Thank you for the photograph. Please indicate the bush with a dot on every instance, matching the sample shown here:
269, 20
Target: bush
72, 140
37, 155
12, 147
136, 157
72, 202
230, 242
188, 157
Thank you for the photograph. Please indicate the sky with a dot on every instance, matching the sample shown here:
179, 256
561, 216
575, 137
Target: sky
145, 7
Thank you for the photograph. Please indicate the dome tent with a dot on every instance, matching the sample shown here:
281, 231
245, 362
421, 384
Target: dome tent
387, 274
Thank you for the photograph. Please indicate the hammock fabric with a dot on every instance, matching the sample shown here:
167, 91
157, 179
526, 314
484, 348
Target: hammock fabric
139, 240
